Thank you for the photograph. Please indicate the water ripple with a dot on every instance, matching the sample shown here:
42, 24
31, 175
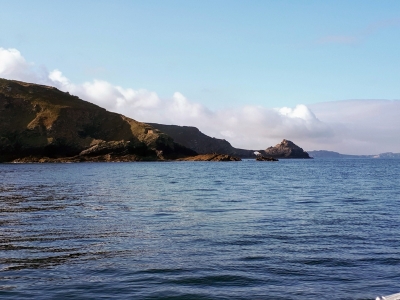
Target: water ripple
293, 230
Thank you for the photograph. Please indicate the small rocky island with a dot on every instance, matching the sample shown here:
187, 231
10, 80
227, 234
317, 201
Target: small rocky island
286, 149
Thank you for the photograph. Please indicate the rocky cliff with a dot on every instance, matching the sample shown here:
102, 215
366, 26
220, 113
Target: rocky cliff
38, 122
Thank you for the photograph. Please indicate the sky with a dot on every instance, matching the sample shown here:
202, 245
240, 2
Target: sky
324, 74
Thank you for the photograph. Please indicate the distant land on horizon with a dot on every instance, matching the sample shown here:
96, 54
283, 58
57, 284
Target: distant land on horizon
333, 154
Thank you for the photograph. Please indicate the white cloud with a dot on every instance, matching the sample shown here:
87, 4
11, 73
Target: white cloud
361, 127
14, 66
58, 78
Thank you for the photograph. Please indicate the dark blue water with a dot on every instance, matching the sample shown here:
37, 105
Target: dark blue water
294, 229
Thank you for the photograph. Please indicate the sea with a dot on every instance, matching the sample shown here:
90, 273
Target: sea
293, 229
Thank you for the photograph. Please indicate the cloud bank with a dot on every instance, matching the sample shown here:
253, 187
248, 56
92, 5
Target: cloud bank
354, 127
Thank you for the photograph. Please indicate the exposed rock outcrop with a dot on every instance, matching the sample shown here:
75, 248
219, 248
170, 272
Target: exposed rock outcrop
286, 149
263, 158
41, 122
211, 157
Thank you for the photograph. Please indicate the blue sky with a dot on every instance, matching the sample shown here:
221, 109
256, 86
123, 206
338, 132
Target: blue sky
218, 54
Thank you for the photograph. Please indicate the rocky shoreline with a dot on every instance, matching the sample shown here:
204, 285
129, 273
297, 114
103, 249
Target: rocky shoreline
122, 158
211, 157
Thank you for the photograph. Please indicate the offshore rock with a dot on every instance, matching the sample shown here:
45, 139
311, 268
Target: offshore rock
286, 149
263, 158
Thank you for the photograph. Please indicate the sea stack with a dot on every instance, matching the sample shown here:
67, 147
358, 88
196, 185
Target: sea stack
286, 149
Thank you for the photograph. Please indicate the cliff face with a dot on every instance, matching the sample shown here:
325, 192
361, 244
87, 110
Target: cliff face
193, 138
286, 149
41, 121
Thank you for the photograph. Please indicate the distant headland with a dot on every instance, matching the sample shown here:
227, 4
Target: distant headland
332, 154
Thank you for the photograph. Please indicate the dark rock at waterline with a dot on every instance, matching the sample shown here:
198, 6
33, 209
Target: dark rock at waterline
263, 158
211, 157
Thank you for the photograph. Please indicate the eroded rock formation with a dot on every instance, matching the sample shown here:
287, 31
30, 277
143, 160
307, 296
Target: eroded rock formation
286, 149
